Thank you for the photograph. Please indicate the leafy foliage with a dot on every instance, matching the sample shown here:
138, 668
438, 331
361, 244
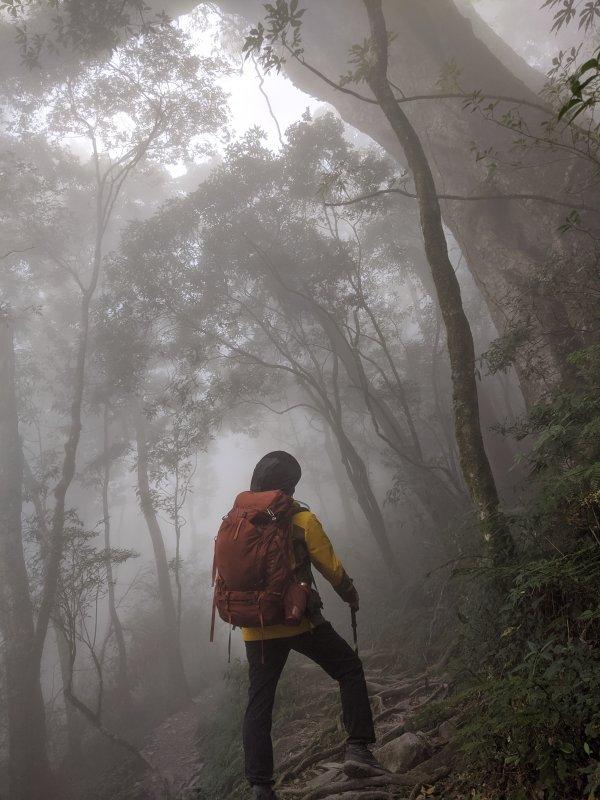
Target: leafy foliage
281, 35
586, 12
585, 89
535, 723
85, 27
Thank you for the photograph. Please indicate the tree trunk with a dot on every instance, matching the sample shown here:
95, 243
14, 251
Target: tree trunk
56, 530
340, 480
174, 661
503, 241
194, 543
123, 688
29, 771
473, 459
75, 728
356, 470
438, 496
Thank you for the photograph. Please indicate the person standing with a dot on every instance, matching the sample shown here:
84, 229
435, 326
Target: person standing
267, 648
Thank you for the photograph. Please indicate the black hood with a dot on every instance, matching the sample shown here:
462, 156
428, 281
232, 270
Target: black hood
276, 470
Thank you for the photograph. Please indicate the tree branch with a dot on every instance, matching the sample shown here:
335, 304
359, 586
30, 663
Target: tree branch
405, 193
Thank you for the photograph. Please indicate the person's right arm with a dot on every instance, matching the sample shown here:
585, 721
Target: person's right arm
326, 561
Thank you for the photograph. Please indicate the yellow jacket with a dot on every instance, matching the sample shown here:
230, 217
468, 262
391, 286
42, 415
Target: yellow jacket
308, 530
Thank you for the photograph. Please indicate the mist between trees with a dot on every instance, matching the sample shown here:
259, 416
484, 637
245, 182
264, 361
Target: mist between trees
364, 232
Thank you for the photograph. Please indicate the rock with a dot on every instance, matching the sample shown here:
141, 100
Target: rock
447, 730
402, 753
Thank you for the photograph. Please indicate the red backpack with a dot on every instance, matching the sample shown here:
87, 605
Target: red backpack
254, 581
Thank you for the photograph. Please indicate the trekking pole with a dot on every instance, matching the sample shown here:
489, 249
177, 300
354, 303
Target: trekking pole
354, 629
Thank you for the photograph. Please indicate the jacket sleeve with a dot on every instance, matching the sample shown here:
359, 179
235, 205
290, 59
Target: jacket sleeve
324, 558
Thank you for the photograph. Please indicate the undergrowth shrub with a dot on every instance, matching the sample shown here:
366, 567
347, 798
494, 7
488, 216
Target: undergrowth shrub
220, 741
533, 666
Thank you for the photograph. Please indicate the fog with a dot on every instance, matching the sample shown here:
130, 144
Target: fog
361, 232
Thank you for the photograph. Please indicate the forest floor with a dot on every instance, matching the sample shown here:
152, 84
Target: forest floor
309, 740
172, 751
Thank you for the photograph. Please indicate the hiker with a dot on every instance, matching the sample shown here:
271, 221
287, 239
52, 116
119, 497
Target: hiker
268, 646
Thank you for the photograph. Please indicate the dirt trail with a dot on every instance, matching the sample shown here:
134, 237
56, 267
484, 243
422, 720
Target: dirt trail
172, 750
418, 759
309, 747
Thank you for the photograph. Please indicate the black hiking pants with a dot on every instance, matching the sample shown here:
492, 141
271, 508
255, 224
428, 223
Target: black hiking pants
327, 649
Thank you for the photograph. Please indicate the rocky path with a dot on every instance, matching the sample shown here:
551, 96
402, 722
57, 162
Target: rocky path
310, 745
417, 759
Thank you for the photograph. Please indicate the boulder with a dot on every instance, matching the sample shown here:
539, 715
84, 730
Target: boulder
402, 753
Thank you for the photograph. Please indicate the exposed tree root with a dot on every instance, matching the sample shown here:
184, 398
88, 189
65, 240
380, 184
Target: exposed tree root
408, 688
416, 789
376, 795
393, 779
311, 760
387, 712
393, 733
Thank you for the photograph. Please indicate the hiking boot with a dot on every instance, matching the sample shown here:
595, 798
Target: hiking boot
263, 792
359, 762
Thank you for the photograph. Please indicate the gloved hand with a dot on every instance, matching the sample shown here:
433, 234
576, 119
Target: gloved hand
353, 599
348, 593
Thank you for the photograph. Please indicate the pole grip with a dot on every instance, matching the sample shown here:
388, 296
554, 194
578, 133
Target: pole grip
354, 629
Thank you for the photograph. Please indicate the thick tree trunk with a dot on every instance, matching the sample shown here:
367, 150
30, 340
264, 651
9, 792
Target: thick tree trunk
473, 459
123, 688
503, 241
29, 771
172, 646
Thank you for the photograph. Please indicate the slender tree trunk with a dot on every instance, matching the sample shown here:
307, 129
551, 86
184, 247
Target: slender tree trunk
56, 532
443, 412
350, 522
174, 661
313, 482
177, 526
75, 728
94, 716
473, 459
29, 770
193, 529
358, 475
423, 479
122, 672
